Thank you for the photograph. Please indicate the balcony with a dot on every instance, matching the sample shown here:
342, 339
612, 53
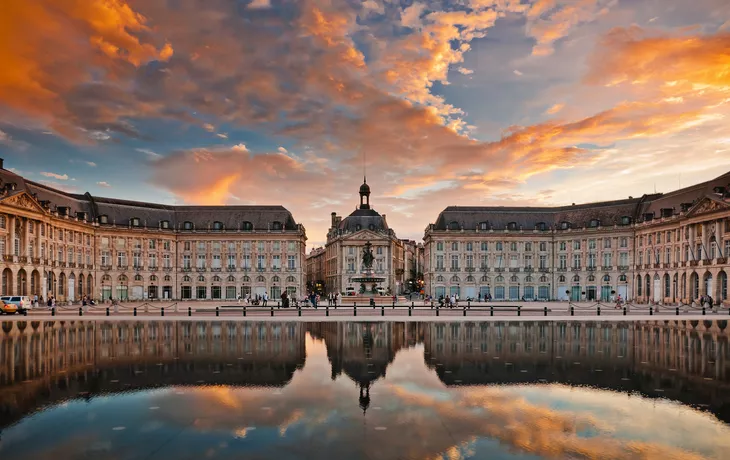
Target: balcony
275, 269
231, 268
106, 268
200, 269
707, 262
499, 270
591, 268
152, 268
562, 269
514, 270
575, 269
62, 264
122, 267
291, 269
529, 270
186, 269
246, 269
470, 269
606, 268
657, 265
692, 263
8, 258
36, 261
23, 259
440, 269
71, 265
544, 270
167, 269
137, 267
647, 266
215, 269
484, 269
675, 265
623, 268
260, 269
721, 260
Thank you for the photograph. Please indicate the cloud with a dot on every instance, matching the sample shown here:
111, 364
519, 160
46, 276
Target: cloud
208, 127
222, 135
555, 108
54, 175
151, 154
282, 150
91, 163
464, 71
259, 4
4, 137
103, 184
517, 72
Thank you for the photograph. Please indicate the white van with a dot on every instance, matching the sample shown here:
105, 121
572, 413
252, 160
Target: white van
23, 302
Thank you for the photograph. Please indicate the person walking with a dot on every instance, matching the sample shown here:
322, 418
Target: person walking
265, 299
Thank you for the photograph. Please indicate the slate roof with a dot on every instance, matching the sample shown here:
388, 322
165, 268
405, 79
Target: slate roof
120, 212
607, 213
364, 218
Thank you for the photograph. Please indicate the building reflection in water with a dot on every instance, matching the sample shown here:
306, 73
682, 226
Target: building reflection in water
42, 363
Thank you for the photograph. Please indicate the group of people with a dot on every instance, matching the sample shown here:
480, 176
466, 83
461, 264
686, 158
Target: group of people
449, 301
258, 299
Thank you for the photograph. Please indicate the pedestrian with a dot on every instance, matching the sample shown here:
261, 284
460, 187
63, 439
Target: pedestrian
265, 298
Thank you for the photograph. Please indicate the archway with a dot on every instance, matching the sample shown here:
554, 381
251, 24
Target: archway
722, 285
35, 283
707, 283
657, 288
106, 287
89, 286
61, 285
638, 285
71, 287
7, 287
683, 284
675, 292
694, 285
22, 279
81, 287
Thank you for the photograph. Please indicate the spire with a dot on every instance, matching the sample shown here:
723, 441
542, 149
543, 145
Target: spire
364, 194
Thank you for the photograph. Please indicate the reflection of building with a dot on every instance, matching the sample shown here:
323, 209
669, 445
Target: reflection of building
61, 358
344, 249
69, 245
688, 360
660, 247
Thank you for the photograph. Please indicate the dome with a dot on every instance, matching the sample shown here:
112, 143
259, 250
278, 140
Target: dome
362, 219
365, 188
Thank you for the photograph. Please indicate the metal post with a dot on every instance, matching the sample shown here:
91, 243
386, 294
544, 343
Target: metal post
572, 311
624, 311
272, 311
677, 311
244, 310
162, 311
491, 311
599, 310
382, 310
299, 310
190, 311
217, 311
107, 311
53, 311
437, 311
468, 303
135, 311
544, 310
703, 311
651, 311
394, 305
278, 305
327, 311
409, 311
354, 310
519, 310
81, 311
464, 311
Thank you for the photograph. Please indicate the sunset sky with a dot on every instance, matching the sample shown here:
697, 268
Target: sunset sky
468, 102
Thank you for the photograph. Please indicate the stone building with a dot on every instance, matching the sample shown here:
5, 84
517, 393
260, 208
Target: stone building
589, 251
70, 245
315, 270
346, 239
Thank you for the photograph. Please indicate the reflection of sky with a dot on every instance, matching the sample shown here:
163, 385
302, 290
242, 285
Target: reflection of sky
411, 415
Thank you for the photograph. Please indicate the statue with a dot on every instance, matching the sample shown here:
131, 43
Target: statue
367, 256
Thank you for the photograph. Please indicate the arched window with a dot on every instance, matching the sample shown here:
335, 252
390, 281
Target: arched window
260, 279
625, 220
138, 277
201, 279
622, 278
275, 279
591, 278
543, 279
564, 225
246, 226
186, 279
371, 227
607, 279
541, 226
216, 279
291, 279
246, 279
276, 225
103, 219
485, 279
576, 279
499, 279
106, 279
231, 279
165, 224
528, 279
122, 279
513, 279
454, 279
561, 279
469, 279
168, 278
358, 227
153, 278
439, 279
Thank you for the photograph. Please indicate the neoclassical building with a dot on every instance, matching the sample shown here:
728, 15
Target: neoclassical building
343, 251
661, 247
70, 245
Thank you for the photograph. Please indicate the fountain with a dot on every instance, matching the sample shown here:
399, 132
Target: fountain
369, 277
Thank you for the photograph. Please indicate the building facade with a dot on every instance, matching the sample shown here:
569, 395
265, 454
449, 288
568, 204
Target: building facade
343, 251
68, 246
593, 251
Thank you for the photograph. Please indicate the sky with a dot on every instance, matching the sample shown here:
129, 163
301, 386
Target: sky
461, 102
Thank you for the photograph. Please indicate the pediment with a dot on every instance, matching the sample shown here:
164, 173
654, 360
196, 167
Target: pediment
23, 201
365, 235
708, 205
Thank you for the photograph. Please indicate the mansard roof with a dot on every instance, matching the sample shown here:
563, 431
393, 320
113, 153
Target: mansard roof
120, 212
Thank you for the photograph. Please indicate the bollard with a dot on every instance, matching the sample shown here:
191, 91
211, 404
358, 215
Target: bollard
491, 311
53, 311
468, 303
278, 305
437, 311
272, 311
244, 310
299, 310
624, 311
572, 311
81, 311
519, 310
382, 310
394, 305
327, 310
135, 311
107, 311
677, 311
544, 311
162, 311
703, 311
409, 311
599, 310
217, 312
413, 304
464, 311
354, 310
651, 311
190, 311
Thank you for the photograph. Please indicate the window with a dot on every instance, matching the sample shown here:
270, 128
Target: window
564, 225
186, 262
469, 261
576, 261
499, 246
165, 224
261, 262
484, 262
103, 219
276, 225
485, 246
276, 246
134, 222
276, 262
121, 243
576, 245
543, 246
187, 225
201, 292
291, 246
217, 225
246, 226
543, 261
379, 250
121, 259
469, 246
591, 245
3, 222
166, 263
201, 279
513, 261
260, 246
453, 225
439, 245
592, 260
216, 261
153, 260
513, 246
607, 243
528, 247
201, 261
561, 279
455, 261
563, 246
201, 246
625, 220
483, 226
727, 248
668, 256
528, 261
231, 261
594, 223
454, 246
138, 277
512, 226
439, 262
607, 259
291, 263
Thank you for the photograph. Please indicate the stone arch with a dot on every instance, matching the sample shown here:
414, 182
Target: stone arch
721, 286
22, 282
638, 285
35, 283
89, 286
61, 285
81, 285
707, 282
694, 285
454, 279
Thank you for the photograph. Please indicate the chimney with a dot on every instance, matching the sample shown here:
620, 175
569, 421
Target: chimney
2, 166
334, 219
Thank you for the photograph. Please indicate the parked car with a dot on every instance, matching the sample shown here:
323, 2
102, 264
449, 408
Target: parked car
22, 302
8, 308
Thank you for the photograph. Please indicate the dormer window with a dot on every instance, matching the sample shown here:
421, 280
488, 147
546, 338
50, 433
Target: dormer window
358, 227
187, 225
217, 225
483, 225
541, 226
276, 225
247, 226
512, 226
626, 220
371, 227
165, 224
134, 221
648, 216
454, 225
594, 223
103, 219
564, 225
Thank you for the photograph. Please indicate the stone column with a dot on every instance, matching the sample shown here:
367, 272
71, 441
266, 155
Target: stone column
692, 242
11, 233
25, 245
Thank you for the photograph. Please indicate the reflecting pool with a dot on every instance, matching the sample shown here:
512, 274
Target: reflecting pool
364, 390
